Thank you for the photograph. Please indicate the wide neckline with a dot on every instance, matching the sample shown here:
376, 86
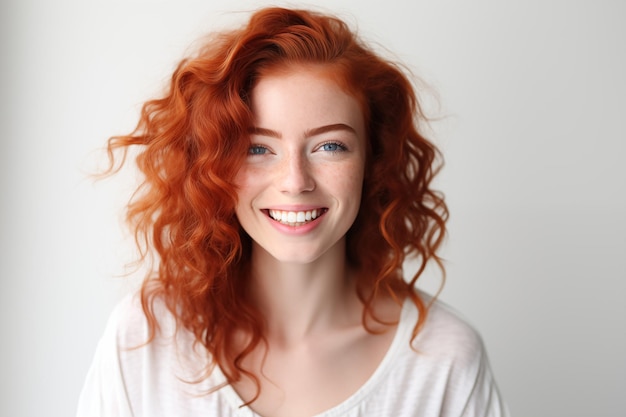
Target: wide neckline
408, 317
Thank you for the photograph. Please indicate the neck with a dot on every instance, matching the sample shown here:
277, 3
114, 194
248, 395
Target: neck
300, 300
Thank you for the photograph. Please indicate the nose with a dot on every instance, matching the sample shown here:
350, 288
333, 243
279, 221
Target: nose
295, 175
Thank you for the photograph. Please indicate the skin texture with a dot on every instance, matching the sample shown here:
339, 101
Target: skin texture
318, 352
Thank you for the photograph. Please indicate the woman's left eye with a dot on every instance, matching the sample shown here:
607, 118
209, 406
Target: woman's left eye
332, 147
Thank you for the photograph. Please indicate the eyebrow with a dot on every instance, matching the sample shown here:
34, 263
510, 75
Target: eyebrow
261, 131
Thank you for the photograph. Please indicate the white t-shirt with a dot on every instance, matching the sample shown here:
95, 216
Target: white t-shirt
446, 373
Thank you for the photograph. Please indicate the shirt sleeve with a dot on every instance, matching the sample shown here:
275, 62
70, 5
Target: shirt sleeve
484, 399
104, 392
459, 364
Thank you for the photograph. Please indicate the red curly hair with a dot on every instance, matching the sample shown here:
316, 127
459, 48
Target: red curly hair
194, 140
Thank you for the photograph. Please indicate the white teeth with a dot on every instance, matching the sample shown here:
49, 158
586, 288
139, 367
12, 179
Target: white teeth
295, 218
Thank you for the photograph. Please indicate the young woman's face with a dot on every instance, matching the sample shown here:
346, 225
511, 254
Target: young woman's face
300, 187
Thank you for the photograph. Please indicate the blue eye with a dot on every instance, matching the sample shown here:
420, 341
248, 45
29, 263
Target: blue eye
333, 147
257, 150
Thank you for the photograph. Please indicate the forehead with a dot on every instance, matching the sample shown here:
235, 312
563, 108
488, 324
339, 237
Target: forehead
304, 94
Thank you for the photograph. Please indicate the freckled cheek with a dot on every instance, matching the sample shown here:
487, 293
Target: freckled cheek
240, 177
346, 181
248, 184
354, 188
249, 177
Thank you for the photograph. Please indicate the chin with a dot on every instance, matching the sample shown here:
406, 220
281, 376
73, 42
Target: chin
294, 254
295, 259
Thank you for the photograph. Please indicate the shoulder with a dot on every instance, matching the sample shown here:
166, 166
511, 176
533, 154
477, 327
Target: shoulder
446, 346
445, 367
133, 374
149, 343
129, 326
446, 334
150, 357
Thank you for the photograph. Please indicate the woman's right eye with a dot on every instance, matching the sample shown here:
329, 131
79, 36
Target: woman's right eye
257, 150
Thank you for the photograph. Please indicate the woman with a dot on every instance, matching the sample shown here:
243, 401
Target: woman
285, 182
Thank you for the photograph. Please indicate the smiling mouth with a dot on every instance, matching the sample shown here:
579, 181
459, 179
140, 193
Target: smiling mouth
295, 218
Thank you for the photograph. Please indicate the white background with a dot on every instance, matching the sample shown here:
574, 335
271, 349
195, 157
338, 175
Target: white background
533, 95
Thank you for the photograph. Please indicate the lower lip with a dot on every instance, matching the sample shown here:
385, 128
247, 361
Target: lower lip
296, 230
